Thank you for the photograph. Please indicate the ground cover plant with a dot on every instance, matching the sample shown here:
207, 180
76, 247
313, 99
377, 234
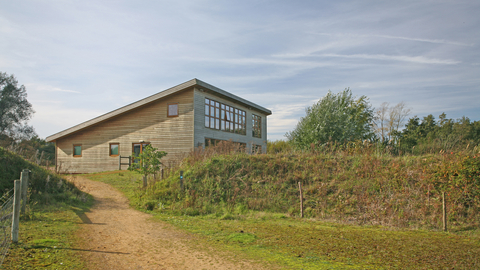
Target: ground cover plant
250, 204
46, 236
352, 183
47, 241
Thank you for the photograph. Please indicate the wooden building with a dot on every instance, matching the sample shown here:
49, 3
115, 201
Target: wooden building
176, 121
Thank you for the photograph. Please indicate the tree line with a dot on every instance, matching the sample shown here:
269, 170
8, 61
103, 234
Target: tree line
15, 134
343, 118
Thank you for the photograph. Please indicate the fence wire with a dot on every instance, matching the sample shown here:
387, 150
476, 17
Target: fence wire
6, 213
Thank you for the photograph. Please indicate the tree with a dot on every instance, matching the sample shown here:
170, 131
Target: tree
147, 162
15, 110
336, 117
389, 120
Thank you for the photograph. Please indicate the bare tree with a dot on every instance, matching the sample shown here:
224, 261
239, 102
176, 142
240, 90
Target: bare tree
389, 120
382, 121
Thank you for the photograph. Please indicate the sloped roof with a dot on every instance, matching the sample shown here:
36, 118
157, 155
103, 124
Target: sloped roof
157, 96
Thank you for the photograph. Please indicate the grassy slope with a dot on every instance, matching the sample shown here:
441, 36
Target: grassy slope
46, 237
295, 243
359, 188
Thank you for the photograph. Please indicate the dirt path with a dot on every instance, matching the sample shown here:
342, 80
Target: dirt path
115, 236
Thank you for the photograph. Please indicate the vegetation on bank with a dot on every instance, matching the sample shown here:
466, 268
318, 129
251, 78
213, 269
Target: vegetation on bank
250, 204
46, 237
352, 184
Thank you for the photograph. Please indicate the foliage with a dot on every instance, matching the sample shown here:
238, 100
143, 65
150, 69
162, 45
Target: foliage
354, 183
147, 162
337, 117
278, 146
15, 110
35, 149
459, 177
45, 187
47, 230
430, 136
292, 243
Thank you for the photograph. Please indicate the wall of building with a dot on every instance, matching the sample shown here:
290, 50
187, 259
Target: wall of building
148, 123
202, 132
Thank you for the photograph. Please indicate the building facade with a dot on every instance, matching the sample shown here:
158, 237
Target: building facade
177, 120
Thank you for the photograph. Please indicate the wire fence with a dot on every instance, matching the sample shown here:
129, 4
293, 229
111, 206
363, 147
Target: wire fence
6, 213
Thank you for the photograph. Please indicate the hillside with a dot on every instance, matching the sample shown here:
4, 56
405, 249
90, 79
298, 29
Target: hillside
355, 186
11, 165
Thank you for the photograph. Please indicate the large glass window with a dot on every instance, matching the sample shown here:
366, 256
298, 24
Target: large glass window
224, 117
256, 126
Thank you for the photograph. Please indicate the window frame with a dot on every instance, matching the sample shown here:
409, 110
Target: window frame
110, 149
256, 126
223, 117
168, 110
81, 150
256, 149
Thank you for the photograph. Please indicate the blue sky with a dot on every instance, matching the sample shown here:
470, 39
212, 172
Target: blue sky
80, 59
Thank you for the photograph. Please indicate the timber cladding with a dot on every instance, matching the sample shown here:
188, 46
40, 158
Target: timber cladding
174, 121
148, 124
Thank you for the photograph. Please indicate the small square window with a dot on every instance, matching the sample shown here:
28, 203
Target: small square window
77, 150
114, 149
172, 110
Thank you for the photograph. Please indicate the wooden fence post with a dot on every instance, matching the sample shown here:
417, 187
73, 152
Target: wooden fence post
119, 162
16, 210
301, 199
444, 212
144, 181
162, 174
24, 184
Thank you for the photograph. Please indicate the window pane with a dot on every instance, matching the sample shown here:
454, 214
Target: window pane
217, 112
212, 123
173, 109
223, 125
77, 150
217, 104
207, 101
207, 123
206, 109
212, 102
113, 149
212, 111
222, 116
217, 124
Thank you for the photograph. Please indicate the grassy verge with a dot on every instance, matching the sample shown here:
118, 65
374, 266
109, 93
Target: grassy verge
47, 231
47, 238
296, 243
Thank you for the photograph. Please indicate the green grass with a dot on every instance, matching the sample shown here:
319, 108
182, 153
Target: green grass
294, 243
47, 231
47, 239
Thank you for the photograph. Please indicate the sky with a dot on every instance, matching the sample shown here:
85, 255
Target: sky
81, 59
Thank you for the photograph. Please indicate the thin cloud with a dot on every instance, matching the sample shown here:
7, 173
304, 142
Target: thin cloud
48, 88
402, 58
436, 41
